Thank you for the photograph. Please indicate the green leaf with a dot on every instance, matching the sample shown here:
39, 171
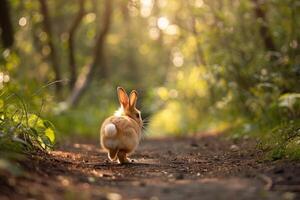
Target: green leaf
45, 141
289, 100
48, 124
50, 134
35, 121
1, 104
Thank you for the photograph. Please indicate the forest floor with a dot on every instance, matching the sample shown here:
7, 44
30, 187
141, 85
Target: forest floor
206, 167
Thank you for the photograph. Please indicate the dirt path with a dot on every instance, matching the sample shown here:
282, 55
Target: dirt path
203, 168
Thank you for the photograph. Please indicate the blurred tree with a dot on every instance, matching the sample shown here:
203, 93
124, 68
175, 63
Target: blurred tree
7, 33
88, 72
263, 24
53, 53
129, 44
72, 32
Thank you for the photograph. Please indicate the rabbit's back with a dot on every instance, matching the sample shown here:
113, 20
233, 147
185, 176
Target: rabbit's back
127, 134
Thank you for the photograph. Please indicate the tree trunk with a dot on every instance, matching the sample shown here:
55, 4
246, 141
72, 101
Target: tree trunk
200, 58
88, 71
7, 33
263, 29
129, 44
53, 53
72, 32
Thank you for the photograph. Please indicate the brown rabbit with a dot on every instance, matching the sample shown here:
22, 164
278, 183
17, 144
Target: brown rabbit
120, 134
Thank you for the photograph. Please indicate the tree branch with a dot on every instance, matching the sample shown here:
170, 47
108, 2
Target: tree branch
53, 54
72, 32
88, 71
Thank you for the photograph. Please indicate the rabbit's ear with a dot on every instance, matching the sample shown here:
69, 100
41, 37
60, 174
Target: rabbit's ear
123, 97
133, 98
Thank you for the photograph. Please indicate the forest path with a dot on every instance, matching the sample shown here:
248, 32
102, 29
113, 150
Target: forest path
208, 167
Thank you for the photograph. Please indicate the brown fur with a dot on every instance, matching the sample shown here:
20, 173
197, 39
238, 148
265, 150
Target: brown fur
128, 126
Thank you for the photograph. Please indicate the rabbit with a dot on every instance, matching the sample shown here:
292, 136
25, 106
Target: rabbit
120, 134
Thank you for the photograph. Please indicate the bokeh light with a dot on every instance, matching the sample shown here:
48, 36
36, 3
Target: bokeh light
163, 23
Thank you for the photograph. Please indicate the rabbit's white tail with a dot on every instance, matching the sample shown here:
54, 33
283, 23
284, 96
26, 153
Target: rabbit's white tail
110, 130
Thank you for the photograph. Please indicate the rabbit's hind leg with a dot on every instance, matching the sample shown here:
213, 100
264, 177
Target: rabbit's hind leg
122, 157
112, 154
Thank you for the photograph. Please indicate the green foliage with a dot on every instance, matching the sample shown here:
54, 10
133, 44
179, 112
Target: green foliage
27, 130
247, 86
283, 141
181, 107
21, 131
84, 121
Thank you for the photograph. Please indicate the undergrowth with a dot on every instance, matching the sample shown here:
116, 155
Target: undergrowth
21, 132
277, 128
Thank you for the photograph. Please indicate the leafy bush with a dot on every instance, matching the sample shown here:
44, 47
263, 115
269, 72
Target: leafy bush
83, 120
283, 141
21, 131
